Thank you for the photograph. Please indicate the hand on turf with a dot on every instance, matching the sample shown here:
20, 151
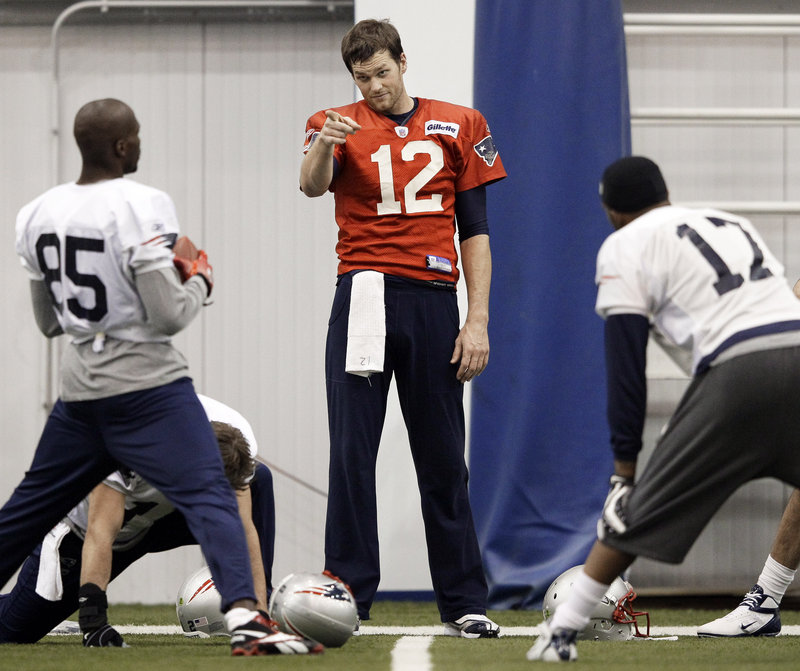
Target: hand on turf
104, 637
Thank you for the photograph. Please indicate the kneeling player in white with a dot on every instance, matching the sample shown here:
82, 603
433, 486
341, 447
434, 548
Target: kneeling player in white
127, 519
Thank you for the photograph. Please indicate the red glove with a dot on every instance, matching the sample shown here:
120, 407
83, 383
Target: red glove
191, 261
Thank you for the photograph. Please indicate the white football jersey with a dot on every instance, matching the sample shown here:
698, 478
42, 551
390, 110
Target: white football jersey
219, 412
144, 504
704, 278
87, 242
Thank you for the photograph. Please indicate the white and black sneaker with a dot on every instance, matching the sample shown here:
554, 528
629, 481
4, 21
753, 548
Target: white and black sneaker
472, 626
261, 636
757, 615
553, 645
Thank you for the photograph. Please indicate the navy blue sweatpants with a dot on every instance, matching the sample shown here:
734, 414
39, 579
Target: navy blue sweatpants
161, 433
421, 328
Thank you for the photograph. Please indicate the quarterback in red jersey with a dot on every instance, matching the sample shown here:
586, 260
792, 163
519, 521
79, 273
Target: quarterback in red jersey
407, 174
399, 183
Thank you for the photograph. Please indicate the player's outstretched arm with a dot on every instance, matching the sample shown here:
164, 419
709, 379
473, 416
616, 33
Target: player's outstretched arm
245, 502
105, 518
106, 513
316, 170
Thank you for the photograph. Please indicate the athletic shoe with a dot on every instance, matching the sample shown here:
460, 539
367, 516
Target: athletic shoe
472, 626
554, 646
261, 636
757, 615
104, 637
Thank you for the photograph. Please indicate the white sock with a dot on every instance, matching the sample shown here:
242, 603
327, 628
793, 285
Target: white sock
775, 578
577, 610
236, 617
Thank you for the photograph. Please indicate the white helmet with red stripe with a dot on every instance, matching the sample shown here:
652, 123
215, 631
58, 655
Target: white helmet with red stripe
318, 606
614, 618
198, 606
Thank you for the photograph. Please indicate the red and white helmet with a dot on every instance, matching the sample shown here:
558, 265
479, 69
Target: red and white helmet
198, 606
614, 618
318, 606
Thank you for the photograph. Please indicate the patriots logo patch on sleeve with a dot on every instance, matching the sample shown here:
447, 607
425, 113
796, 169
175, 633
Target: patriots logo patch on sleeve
487, 150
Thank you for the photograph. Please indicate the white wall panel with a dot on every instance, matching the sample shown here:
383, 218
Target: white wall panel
24, 152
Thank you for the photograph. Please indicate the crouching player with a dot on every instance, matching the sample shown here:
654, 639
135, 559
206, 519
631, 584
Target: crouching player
123, 519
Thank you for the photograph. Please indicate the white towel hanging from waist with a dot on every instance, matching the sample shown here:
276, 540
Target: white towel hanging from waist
48, 581
366, 329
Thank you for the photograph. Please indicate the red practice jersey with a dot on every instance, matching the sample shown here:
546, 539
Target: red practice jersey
396, 186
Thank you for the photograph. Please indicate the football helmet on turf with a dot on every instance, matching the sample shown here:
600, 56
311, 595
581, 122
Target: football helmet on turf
198, 606
318, 606
612, 620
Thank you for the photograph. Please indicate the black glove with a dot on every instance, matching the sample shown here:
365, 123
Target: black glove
104, 637
614, 518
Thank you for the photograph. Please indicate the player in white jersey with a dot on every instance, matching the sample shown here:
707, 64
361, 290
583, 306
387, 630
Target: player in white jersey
703, 282
99, 255
122, 509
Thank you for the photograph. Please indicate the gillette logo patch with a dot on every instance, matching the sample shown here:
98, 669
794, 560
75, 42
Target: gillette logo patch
441, 128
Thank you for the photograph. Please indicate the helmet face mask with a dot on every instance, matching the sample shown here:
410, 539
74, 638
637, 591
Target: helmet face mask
198, 606
614, 618
318, 606
625, 614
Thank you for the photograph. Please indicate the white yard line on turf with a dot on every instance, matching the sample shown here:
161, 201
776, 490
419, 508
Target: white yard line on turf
412, 653
787, 630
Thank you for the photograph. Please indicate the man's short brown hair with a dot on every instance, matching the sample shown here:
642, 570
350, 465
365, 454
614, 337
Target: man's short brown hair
235, 451
368, 37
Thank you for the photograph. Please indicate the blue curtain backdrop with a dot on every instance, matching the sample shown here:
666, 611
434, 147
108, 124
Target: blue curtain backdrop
551, 79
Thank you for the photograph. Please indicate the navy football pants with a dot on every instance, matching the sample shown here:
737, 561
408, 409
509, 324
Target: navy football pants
25, 617
421, 328
161, 433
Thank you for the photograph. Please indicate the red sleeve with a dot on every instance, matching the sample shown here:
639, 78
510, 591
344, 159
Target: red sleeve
482, 163
313, 127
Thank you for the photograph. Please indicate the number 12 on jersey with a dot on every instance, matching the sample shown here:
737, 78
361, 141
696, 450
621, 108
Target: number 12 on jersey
413, 205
